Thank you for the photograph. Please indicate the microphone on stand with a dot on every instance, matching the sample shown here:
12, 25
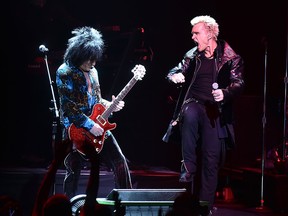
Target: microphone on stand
43, 49
216, 86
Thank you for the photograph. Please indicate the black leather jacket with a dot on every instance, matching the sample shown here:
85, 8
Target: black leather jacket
229, 76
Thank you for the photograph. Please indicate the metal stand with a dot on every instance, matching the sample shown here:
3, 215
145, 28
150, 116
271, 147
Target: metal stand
284, 147
54, 108
261, 207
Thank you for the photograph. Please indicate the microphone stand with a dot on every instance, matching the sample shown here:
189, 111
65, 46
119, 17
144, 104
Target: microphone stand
263, 134
262, 207
284, 150
54, 108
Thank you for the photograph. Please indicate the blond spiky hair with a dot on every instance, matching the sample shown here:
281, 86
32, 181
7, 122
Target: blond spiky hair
210, 23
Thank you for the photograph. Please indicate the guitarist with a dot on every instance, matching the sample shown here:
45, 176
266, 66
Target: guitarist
79, 90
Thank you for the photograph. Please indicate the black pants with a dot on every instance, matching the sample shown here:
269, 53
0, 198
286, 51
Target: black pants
201, 148
111, 155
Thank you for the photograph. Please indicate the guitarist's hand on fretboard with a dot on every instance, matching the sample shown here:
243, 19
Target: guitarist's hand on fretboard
119, 106
96, 130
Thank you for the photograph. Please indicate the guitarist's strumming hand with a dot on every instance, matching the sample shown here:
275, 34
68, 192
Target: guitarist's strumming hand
96, 130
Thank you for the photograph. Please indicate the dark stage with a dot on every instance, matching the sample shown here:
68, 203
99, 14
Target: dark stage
160, 33
156, 188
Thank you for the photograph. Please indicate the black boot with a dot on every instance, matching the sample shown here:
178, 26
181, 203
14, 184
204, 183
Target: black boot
204, 209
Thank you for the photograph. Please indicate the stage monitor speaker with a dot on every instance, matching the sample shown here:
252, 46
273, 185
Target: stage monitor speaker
145, 195
145, 201
136, 202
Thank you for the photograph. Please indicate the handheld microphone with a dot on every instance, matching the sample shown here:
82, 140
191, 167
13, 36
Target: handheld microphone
42, 48
216, 86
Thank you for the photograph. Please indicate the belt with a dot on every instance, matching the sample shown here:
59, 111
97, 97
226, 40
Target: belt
193, 100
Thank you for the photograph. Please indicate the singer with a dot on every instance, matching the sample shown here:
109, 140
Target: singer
204, 138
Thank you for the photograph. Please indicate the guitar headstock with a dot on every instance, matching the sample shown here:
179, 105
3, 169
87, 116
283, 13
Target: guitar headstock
139, 71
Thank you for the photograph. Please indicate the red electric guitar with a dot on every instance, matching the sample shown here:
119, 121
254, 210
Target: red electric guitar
100, 115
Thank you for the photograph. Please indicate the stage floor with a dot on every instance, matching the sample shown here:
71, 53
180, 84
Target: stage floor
237, 195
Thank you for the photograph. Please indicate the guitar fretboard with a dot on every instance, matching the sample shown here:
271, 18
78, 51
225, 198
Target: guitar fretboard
119, 97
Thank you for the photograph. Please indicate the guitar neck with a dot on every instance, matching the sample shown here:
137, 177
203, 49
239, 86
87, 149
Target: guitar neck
119, 97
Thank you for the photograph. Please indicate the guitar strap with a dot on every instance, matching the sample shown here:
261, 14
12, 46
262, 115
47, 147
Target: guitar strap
96, 87
96, 84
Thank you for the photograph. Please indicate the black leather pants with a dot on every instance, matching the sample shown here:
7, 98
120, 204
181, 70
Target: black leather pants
201, 151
